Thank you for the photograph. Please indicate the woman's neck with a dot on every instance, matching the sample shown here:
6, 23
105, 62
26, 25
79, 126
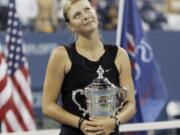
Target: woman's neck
89, 43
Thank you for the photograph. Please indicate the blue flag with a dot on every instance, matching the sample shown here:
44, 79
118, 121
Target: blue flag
149, 87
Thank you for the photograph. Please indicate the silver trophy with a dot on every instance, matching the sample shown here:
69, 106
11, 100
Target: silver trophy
102, 97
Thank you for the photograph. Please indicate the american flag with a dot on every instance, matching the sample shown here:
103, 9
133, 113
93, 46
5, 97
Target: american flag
19, 116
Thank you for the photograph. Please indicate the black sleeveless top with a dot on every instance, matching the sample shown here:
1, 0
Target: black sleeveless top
82, 72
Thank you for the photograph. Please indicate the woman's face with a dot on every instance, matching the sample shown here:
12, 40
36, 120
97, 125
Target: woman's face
82, 18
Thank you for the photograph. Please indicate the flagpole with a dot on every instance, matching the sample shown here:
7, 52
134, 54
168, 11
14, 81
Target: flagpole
119, 23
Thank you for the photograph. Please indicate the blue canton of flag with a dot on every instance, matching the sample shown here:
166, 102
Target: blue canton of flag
16, 56
149, 87
18, 117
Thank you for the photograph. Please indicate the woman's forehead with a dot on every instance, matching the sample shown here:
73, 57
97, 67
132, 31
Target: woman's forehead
78, 6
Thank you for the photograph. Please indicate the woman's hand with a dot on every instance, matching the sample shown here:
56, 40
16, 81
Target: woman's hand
108, 124
92, 128
98, 126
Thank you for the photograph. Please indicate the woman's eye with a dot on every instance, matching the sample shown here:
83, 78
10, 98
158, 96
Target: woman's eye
77, 15
87, 8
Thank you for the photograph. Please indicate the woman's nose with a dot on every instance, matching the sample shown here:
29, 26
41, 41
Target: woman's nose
85, 16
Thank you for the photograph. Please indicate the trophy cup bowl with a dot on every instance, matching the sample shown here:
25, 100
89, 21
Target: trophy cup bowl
102, 97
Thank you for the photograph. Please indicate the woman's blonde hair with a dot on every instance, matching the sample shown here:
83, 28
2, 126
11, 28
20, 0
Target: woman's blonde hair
68, 6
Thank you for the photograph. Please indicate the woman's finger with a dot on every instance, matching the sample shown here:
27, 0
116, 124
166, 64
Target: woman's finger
99, 133
93, 129
94, 124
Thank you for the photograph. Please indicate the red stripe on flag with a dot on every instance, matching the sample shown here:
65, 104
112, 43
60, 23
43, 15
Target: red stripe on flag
3, 83
5, 108
23, 97
7, 125
25, 71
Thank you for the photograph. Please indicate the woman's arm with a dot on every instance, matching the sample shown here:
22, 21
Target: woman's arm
58, 66
125, 79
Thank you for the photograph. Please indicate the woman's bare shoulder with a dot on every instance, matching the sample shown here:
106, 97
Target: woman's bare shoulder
59, 51
121, 53
59, 56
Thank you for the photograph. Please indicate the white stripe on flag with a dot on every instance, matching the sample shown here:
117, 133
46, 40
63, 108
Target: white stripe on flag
3, 127
3, 69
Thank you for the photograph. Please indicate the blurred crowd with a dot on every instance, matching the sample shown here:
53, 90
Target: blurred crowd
47, 15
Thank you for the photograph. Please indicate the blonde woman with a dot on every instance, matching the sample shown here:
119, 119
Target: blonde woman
75, 66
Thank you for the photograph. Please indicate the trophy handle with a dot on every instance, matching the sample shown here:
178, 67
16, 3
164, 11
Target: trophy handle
123, 96
81, 91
